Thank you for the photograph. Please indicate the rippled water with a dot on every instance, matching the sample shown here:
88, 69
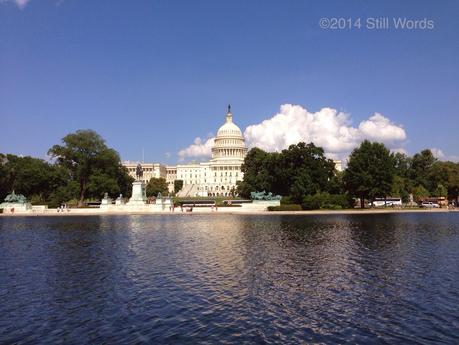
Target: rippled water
230, 279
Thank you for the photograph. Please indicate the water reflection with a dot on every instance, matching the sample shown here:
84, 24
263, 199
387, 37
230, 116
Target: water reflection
200, 278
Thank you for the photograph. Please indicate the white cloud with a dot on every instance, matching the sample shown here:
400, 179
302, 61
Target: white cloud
400, 150
380, 128
327, 128
19, 3
438, 153
198, 149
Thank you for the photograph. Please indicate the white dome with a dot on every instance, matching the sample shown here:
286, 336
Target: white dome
229, 143
229, 129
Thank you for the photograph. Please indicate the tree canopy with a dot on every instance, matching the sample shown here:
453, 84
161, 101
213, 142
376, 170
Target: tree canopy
370, 172
92, 165
155, 186
39, 180
300, 170
178, 185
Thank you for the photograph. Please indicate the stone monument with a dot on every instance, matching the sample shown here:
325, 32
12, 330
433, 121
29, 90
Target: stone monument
139, 195
106, 200
119, 200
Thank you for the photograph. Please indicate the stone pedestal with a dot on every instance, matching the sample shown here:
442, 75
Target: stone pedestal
167, 201
106, 201
139, 196
13, 207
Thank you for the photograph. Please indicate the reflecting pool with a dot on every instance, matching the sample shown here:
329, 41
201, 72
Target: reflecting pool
230, 278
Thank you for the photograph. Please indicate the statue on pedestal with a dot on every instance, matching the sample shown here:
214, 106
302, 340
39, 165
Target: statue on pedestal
119, 200
106, 200
139, 196
16, 202
139, 172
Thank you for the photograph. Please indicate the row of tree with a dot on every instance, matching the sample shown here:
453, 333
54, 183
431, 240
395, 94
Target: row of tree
82, 168
375, 172
302, 171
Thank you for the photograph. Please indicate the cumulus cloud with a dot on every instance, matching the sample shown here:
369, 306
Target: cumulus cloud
440, 155
19, 3
380, 128
400, 150
437, 153
328, 128
198, 149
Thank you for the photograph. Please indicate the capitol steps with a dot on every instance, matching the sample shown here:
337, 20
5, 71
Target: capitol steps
185, 191
190, 190
194, 190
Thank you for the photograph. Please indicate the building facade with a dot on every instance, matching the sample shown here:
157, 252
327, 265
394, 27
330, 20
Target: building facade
149, 170
217, 177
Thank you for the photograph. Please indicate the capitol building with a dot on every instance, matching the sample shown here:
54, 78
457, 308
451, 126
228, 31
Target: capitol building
217, 177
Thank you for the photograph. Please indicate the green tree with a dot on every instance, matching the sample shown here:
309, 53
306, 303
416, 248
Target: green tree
89, 161
30, 176
109, 176
178, 185
370, 172
419, 193
302, 185
305, 169
5, 185
421, 169
402, 164
441, 191
446, 174
155, 186
297, 171
256, 172
399, 188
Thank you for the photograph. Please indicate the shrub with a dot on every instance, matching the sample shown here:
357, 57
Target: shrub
36, 199
325, 201
289, 207
286, 200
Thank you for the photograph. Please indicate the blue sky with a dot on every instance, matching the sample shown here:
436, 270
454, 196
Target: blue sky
158, 74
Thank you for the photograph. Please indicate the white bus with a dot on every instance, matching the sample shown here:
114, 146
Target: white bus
389, 202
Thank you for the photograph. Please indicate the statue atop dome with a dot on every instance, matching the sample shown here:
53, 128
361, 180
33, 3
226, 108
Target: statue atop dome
229, 115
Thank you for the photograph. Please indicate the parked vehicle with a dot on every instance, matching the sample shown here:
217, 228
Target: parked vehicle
388, 202
439, 200
429, 204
